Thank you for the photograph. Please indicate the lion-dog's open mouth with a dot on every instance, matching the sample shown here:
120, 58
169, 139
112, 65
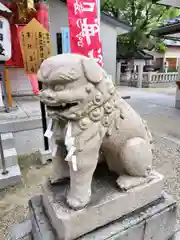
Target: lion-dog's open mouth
62, 107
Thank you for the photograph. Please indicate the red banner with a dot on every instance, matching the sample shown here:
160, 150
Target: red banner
16, 59
85, 29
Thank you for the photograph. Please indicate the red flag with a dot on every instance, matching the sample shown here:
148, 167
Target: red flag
34, 83
85, 28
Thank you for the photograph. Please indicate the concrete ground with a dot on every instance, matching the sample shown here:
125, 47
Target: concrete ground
156, 106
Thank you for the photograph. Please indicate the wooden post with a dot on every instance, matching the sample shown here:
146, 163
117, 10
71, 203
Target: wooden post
6, 105
8, 87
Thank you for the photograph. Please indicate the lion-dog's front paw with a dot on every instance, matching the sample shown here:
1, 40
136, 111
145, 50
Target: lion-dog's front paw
76, 202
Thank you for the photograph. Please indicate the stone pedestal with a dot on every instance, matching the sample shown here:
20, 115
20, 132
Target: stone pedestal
143, 212
44, 156
107, 204
118, 73
155, 221
177, 103
140, 74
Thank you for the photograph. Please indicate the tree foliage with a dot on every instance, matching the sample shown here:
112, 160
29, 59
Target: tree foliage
142, 16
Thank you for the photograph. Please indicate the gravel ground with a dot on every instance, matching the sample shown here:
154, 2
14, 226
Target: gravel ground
14, 202
167, 162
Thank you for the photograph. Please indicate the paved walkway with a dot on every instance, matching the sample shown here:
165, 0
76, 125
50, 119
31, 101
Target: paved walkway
158, 109
27, 108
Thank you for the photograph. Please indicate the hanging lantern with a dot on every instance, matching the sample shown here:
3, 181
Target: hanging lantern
22, 11
25, 9
30, 4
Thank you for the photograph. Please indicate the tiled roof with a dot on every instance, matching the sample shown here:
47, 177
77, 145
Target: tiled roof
171, 26
139, 55
170, 22
171, 3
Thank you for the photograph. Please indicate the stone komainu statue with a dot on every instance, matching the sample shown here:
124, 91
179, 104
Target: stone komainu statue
89, 118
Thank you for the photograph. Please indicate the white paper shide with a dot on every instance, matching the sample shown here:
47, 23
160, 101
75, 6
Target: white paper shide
70, 146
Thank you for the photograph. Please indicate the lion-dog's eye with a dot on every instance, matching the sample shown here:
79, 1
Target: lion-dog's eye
58, 88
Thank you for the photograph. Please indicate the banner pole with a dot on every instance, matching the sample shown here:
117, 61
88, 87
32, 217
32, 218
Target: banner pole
44, 121
42, 106
98, 4
6, 105
8, 87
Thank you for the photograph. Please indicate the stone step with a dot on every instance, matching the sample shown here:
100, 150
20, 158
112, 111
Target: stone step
12, 178
10, 156
153, 222
7, 140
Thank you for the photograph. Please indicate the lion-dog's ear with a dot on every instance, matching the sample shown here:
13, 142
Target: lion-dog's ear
92, 71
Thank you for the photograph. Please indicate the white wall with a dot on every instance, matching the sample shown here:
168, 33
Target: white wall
173, 53
108, 39
59, 18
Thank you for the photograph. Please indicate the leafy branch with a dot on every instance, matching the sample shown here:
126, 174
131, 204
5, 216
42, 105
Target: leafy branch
143, 16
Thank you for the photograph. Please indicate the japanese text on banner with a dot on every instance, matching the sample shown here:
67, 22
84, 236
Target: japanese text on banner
85, 29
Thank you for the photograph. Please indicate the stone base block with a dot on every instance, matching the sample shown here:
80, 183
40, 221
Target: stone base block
177, 93
10, 156
155, 221
44, 156
177, 104
12, 178
7, 140
108, 204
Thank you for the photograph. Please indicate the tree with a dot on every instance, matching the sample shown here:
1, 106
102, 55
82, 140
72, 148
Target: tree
142, 16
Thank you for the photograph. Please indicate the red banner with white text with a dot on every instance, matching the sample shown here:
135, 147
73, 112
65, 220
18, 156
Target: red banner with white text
85, 29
